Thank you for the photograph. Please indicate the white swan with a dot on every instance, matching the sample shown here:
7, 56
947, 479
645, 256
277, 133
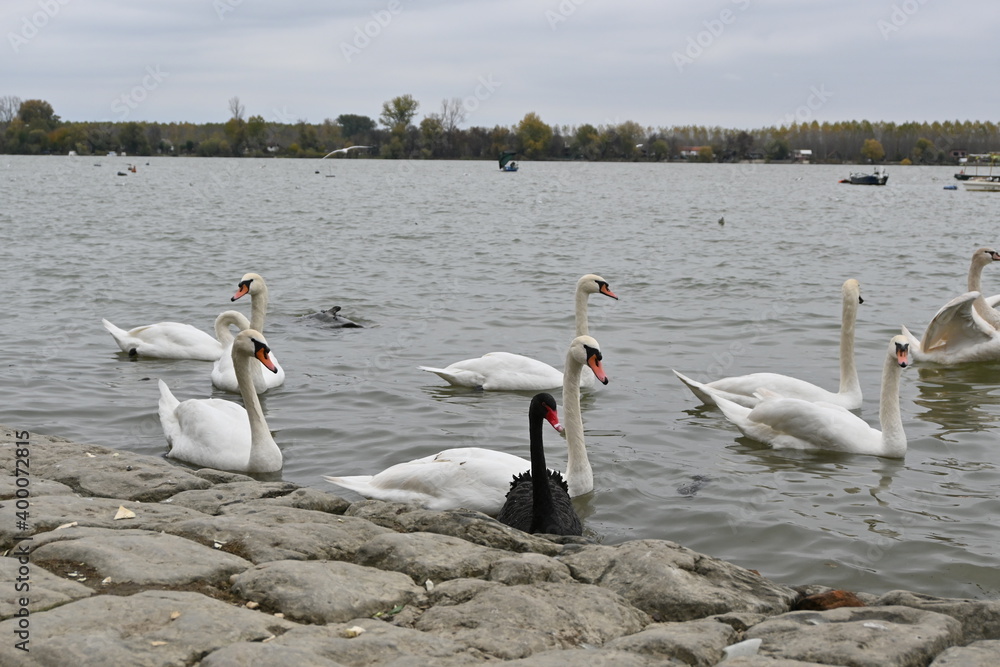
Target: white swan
254, 285
965, 329
221, 434
223, 371
166, 340
505, 371
740, 389
793, 423
476, 478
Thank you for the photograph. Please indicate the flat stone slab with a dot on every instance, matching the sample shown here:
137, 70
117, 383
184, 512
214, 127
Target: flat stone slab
980, 619
325, 591
533, 618
36, 487
263, 534
859, 636
673, 583
151, 628
211, 501
695, 643
428, 556
138, 556
44, 589
985, 653
379, 643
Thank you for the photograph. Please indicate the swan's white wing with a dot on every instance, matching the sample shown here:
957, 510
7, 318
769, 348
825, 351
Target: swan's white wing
167, 340
799, 424
224, 374
955, 327
993, 301
501, 371
471, 478
209, 432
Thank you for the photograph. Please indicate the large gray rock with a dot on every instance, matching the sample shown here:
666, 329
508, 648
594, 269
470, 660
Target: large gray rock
50, 512
324, 591
91, 470
151, 628
696, 643
306, 499
515, 621
37, 487
428, 556
764, 661
379, 643
978, 654
262, 534
470, 526
591, 658
211, 501
980, 619
673, 583
44, 590
529, 568
859, 636
137, 556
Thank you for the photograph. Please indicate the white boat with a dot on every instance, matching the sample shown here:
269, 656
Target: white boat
982, 185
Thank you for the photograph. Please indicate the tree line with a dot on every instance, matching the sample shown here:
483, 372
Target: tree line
32, 127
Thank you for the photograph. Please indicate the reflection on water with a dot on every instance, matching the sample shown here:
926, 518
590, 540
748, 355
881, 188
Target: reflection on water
960, 399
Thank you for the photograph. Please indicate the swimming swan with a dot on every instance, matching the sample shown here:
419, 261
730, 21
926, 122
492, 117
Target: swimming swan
797, 424
965, 329
215, 433
538, 500
166, 340
504, 371
740, 389
223, 371
254, 285
476, 478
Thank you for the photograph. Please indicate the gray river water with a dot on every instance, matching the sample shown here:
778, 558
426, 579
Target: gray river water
443, 261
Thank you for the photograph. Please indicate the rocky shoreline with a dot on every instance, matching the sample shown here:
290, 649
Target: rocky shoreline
115, 558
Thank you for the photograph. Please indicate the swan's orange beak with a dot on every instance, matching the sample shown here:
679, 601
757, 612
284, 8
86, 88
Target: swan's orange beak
902, 354
261, 353
606, 291
553, 418
243, 290
594, 361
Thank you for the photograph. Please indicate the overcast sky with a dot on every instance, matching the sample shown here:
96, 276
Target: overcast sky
734, 63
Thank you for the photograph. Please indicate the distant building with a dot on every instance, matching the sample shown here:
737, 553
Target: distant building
802, 155
959, 154
690, 151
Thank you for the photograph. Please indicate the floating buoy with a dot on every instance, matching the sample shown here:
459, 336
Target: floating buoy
951, 187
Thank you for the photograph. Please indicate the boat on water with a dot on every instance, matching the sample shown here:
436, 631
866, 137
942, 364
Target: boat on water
507, 161
878, 177
977, 160
983, 184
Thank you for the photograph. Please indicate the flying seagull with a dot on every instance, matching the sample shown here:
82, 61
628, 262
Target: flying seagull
342, 150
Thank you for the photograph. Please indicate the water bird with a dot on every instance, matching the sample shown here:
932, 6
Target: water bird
476, 478
965, 329
343, 150
216, 433
741, 389
332, 318
538, 500
224, 372
797, 424
166, 340
254, 285
505, 371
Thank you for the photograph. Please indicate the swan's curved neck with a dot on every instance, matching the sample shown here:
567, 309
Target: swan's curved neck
582, 325
258, 309
579, 475
263, 449
849, 382
889, 417
227, 319
976, 285
541, 494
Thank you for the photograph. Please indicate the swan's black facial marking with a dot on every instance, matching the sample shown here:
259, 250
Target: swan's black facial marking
902, 351
860, 300
994, 255
594, 358
261, 351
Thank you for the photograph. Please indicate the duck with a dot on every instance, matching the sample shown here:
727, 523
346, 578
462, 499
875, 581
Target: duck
741, 389
166, 340
333, 319
967, 328
505, 371
478, 478
223, 371
794, 423
544, 507
215, 433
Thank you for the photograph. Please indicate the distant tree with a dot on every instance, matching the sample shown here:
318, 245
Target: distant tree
432, 136
355, 128
452, 114
872, 150
133, 139
777, 149
533, 135
659, 150
706, 154
399, 111
236, 110
586, 142
37, 114
9, 106
256, 132
923, 151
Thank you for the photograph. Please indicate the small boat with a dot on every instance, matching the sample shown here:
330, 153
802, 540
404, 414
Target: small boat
981, 184
878, 177
977, 159
506, 161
